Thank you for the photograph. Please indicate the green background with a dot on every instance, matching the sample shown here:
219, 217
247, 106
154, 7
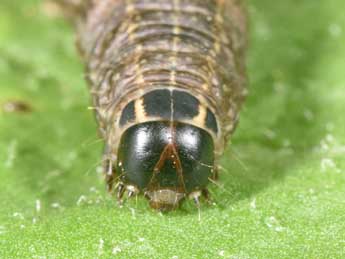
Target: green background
281, 192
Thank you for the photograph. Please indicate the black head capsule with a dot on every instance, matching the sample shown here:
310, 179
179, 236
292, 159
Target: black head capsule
167, 161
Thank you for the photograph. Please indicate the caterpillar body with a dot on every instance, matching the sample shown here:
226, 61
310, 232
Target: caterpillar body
167, 79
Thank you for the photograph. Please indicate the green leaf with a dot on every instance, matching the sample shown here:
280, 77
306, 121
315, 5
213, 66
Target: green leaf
281, 192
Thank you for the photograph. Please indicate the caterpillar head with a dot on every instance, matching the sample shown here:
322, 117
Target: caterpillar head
166, 161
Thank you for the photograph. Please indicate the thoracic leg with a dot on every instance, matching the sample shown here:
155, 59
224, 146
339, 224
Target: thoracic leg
110, 175
195, 196
120, 191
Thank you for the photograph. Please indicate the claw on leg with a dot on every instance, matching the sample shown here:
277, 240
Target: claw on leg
121, 188
195, 196
120, 191
130, 194
132, 191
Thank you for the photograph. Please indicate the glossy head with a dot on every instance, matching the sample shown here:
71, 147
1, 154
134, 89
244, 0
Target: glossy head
166, 161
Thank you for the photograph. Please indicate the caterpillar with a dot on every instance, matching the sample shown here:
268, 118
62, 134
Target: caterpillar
167, 80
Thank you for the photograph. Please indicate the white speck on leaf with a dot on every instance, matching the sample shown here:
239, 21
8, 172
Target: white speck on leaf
99, 170
18, 215
327, 163
253, 204
2, 230
335, 30
270, 134
329, 138
221, 253
55, 205
274, 224
308, 114
100, 246
11, 154
324, 145
133, 213
330, 146
82, 199
116, 250
38, 206
93, 189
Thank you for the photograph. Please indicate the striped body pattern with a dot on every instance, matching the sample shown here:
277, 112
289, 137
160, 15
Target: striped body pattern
178, 62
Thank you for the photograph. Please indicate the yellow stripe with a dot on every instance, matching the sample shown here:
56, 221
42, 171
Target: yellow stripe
138, 48
200, 119
140, 113
217, 47
176, 31
129, 6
